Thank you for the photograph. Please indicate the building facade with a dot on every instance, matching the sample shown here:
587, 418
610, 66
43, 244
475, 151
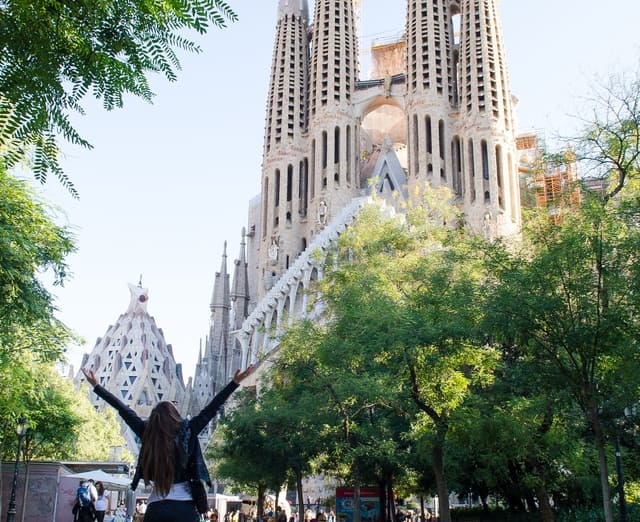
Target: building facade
133, 361
437, 111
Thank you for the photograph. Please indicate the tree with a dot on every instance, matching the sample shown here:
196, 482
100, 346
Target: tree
519, 439
341, 397
568, 297
53, 54
31, 246
97, 432
248, 449
401, 333
62, 423
609, 145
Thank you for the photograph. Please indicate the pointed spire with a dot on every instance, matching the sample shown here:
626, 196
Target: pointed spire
334, 69
240, 286
429, 29
221, 284
484, 89
294, 8
287, 103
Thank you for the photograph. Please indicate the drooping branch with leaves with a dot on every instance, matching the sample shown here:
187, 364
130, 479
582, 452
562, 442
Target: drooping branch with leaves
53, 54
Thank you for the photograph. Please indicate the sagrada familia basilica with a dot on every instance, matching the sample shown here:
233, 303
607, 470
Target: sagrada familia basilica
438, 110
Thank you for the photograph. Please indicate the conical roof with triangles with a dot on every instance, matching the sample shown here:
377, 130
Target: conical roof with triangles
134, 362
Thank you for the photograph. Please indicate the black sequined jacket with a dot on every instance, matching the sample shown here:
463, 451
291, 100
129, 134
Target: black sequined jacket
190, 463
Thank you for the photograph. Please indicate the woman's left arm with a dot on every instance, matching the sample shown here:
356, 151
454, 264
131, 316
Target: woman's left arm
198, 422
129, 416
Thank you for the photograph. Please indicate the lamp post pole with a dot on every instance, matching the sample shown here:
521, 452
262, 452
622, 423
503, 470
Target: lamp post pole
21, 430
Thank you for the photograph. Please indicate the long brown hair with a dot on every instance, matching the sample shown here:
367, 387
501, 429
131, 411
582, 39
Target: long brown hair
158, 446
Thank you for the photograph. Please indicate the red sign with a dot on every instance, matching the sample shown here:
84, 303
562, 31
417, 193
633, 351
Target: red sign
349, 492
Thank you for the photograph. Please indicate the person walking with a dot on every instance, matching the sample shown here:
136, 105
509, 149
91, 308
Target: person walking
101, 501
170, 456
84, 507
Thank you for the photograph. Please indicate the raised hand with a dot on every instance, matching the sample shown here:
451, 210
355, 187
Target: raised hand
241, 375
91, 378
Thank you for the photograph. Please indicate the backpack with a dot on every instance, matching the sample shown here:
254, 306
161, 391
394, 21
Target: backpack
84, 496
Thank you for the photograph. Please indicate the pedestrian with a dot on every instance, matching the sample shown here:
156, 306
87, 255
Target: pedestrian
84, 505
170, 456
101, 502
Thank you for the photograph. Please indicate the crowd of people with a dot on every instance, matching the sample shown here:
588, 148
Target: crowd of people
92, 504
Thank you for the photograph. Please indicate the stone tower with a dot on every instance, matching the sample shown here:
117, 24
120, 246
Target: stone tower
133, 361
447, 116
222, 353
437, 112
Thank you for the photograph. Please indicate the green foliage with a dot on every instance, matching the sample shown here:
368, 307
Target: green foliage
96, 432
54, 53
479, 362
568, 295
400, 350
248, 435
30, 245
62, 423
32, 339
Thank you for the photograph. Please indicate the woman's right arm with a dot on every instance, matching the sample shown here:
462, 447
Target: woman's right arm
129, 416
199, 421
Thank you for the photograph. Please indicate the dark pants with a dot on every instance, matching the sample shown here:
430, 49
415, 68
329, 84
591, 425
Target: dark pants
171, 511
99, 516
85, 514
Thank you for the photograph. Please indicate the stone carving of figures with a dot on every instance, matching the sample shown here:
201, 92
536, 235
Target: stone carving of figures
273, 249
322, 212
487, 226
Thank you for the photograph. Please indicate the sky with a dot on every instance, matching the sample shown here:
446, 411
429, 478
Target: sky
167, 183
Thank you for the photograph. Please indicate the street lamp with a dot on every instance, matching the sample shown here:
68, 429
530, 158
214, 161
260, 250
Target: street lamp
21, 430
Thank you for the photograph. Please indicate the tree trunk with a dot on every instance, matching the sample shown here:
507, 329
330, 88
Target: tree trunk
260, 506
390, 499
385, 507
300, 495
546, 513
441, 483
356, 495
602, 458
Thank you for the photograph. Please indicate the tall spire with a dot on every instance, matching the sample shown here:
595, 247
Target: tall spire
285, 195
486, 122
333, 126
287, 103
334, 63
220, 296
430, 46
484, 83
240, 286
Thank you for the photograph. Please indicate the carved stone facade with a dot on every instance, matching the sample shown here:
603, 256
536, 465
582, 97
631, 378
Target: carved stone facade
133, 361
439, 113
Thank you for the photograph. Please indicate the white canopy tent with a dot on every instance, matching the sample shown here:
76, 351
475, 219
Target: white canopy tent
110, 482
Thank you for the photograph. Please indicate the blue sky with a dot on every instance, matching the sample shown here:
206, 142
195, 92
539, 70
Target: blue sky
167, 184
